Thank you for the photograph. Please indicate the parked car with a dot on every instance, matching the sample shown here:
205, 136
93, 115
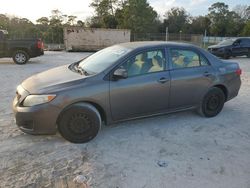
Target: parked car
231, 48
124, 82
21, 50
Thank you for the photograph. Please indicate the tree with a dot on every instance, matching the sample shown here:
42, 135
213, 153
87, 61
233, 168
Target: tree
80, 23
223, 21
105, 13
243, 11
43, 21
55, 30
137, 15
177, 19
246, 29
71, 20
4, 21
235, 24
199, 25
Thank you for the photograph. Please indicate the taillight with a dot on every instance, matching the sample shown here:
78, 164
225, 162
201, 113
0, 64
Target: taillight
40, 44
238, 71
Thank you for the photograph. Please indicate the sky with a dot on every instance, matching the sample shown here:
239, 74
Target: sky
33, 9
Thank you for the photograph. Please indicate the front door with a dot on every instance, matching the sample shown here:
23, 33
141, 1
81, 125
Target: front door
146, 89
239, 48
191, 75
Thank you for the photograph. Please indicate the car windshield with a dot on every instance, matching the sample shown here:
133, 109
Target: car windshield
103, 59
227, 42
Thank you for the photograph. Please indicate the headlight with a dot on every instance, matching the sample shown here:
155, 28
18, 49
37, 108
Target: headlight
32, 100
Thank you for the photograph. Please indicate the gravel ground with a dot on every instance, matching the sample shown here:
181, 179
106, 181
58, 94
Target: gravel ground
176, 150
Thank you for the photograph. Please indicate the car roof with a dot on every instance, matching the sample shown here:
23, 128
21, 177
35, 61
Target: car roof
242, 38
146, 44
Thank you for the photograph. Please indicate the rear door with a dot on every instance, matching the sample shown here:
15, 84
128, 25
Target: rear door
191, 76
145, 90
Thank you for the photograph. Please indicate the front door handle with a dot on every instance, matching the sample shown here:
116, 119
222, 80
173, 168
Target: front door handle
207, 74
163, 80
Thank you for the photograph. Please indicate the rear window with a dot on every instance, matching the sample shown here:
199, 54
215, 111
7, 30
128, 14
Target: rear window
245, 41
187, 58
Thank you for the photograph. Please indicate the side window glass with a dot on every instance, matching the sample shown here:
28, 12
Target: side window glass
245, 42
237, 42
145, 62
204, 61
184, 58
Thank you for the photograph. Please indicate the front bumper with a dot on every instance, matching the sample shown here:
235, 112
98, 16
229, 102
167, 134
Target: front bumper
39, 119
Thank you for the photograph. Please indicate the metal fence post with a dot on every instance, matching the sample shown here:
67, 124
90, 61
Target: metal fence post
166, 33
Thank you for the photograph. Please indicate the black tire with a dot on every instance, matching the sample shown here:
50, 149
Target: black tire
212, 102
20, 57
79, 123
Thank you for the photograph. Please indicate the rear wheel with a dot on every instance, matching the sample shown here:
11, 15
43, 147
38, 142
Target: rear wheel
212, 102
20, 57
79, 123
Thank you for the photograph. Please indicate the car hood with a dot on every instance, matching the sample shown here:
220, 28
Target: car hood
219, 46
50, 80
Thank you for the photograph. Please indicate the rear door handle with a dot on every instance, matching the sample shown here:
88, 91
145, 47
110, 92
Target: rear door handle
163, 80
207, 74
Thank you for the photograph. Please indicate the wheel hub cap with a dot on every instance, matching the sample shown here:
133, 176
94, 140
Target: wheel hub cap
20, 57
213, 102
79, 123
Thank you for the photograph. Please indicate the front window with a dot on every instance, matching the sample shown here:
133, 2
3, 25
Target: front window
227, 42
103, 59
145, 62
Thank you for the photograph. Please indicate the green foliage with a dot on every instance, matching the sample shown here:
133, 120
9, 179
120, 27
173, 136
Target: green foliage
246, 29
223, 21
177, 19
18, 27
49, 29
199, 25
105, 14
138, 16
243, 11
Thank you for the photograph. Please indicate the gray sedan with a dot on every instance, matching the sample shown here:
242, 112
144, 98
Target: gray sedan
123, 82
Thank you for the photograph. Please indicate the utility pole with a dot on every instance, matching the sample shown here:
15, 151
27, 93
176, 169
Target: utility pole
166, 33
180, 34
205, 36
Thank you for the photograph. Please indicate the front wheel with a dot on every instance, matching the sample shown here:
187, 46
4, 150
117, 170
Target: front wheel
20, 57
212, 102
79, 123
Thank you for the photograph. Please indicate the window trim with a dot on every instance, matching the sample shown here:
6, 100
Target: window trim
187, 49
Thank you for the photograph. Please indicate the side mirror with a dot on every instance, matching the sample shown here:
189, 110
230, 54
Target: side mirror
120, 73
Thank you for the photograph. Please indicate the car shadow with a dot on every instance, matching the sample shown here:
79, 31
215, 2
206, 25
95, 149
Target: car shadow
6, 61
